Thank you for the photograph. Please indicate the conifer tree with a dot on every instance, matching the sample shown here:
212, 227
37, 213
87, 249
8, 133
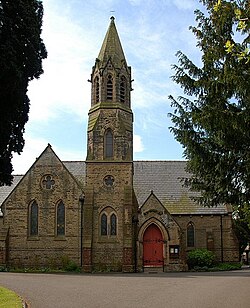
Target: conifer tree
21, 54
212, 119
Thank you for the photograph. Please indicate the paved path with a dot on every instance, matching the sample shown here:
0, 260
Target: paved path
173, 290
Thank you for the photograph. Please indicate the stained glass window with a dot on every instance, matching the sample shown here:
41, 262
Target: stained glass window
109, 180
113, 224
60, 219
104, 225
190, 235
34, 219
48, 182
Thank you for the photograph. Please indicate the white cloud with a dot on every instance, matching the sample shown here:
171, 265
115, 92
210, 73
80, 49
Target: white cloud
32, 150
138, 145
63, 87
185, 4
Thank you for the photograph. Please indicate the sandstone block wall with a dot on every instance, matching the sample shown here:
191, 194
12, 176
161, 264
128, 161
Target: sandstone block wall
46, 248
210, 235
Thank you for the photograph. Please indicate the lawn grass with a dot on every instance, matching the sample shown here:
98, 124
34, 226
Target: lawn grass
9, 299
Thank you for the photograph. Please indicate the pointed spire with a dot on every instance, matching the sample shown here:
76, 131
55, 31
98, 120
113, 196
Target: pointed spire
111, 46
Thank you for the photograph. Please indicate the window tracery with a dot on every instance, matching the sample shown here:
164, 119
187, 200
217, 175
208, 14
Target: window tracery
108, 222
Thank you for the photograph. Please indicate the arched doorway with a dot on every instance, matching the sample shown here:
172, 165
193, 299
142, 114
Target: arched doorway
152, 246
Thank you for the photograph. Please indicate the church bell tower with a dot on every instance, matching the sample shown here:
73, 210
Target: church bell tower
108, 240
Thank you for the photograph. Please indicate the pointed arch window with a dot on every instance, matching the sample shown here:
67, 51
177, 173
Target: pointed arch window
60, 219
113, 223
122, 89
109, 88
109, 144
104, 224
190, 235
97, 89
108, 222
33, 219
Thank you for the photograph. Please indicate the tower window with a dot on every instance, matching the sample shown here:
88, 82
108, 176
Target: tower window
109, 88
97, 89
108, 222
60, 217
122, 89
33, 219
109, 144
190, 235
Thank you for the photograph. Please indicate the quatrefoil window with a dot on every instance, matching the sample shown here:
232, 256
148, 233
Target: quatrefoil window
109, 180
48, 182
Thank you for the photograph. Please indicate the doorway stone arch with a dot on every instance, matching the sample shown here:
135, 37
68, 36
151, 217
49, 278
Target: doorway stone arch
170, 235
152, 244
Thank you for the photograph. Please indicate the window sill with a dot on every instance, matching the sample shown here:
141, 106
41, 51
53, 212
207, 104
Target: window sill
60, 238
108, 239
33, 238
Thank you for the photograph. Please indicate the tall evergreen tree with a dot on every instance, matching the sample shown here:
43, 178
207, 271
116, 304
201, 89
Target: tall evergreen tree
21, 54
212, 119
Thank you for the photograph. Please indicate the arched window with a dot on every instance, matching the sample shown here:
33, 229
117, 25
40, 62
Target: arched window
108, 222
33, 219
109, 88
122, 89
104, 224
113, 224
60, 219
109, 143
97, 90
190, 235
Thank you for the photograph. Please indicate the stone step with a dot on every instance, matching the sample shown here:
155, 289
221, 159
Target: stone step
153, 269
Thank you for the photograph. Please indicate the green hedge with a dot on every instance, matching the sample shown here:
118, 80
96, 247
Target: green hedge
200, 258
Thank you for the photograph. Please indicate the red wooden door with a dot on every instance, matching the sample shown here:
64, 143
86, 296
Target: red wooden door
152, 246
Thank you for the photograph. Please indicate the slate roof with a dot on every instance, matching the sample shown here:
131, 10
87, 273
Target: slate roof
161, 177
76, 168
164, 179
6, 190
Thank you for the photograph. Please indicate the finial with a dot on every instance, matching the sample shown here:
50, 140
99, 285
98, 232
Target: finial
112, 17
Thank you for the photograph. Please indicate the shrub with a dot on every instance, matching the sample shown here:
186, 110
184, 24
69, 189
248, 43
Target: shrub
72, 267
199, 258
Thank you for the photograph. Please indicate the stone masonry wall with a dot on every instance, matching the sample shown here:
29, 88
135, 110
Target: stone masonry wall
107, 250
208, 235
45, 249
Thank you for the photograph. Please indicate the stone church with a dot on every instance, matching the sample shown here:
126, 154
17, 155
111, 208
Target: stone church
108, 213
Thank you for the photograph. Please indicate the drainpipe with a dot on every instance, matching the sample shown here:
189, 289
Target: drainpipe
135, 223
221, 238
81, 200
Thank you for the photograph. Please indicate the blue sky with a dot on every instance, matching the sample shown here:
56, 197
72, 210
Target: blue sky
151, 32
